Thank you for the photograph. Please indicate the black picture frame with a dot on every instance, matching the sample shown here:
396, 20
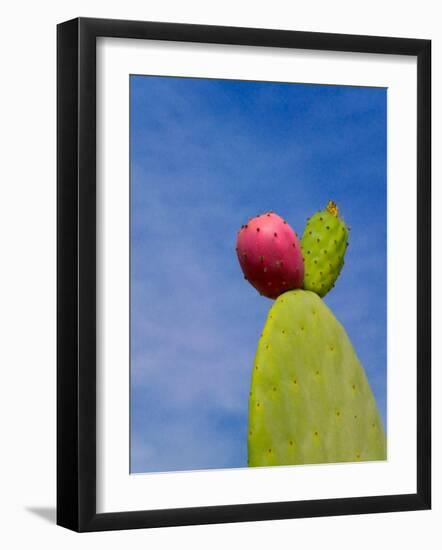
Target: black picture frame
76, 273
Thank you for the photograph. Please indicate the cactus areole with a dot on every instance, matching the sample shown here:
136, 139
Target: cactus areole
269, 253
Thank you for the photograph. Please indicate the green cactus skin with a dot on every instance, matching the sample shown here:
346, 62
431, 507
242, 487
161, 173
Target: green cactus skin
323, 245
310, 401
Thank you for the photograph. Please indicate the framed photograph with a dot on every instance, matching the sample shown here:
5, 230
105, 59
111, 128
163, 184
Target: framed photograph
243, 274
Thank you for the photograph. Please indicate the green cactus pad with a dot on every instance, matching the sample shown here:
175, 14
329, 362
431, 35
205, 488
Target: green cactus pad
310, 401
323, 245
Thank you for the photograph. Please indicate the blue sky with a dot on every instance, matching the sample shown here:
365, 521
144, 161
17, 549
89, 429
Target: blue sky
205, 156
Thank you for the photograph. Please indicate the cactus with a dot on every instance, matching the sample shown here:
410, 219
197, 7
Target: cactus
324, 244
270, 255
310, 401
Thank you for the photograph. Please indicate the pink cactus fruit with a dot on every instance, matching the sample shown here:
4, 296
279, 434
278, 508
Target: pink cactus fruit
270, 255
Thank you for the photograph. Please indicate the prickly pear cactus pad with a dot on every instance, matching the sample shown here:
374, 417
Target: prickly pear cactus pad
323, 245
310, 401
